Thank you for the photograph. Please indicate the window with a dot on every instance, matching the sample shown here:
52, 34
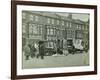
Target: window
79, 34
48, 31
70, 25
54, 31
36, 18
31, 17
63, 23
24, 15
40, 29
77, 26
51, 31
69, 34
58, 22
52, 21
48, 20
24, 28
35, 29
67, 24
51, 44
30, 28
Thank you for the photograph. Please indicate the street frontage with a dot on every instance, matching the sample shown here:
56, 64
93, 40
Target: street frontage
77, 59
54, 39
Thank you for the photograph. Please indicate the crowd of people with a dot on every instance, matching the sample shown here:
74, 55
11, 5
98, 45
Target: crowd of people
34, 50
39, 50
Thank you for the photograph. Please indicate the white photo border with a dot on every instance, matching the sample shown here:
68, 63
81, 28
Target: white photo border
21, 71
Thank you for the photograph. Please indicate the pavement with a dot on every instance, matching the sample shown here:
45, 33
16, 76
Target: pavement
78, 59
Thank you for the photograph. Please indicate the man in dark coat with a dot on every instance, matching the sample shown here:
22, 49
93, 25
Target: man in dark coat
41, 50
33, 50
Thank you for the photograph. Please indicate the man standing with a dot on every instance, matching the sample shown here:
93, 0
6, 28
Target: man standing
27, 51
33, 50
41, 49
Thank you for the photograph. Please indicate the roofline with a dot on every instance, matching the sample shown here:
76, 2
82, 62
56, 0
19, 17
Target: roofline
40, 14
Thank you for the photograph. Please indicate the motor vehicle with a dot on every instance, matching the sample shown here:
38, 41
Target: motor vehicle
74, 47
49, 51
78, 46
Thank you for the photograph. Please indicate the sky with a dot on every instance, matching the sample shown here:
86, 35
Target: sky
81, 16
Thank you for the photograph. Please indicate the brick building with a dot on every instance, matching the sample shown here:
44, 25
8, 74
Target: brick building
52, 28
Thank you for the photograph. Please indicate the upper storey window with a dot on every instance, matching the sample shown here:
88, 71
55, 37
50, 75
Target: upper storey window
36, 18
24, 15
48, 20
58, 22
31, 17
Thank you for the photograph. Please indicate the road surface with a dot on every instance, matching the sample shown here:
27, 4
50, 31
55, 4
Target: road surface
78, 59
